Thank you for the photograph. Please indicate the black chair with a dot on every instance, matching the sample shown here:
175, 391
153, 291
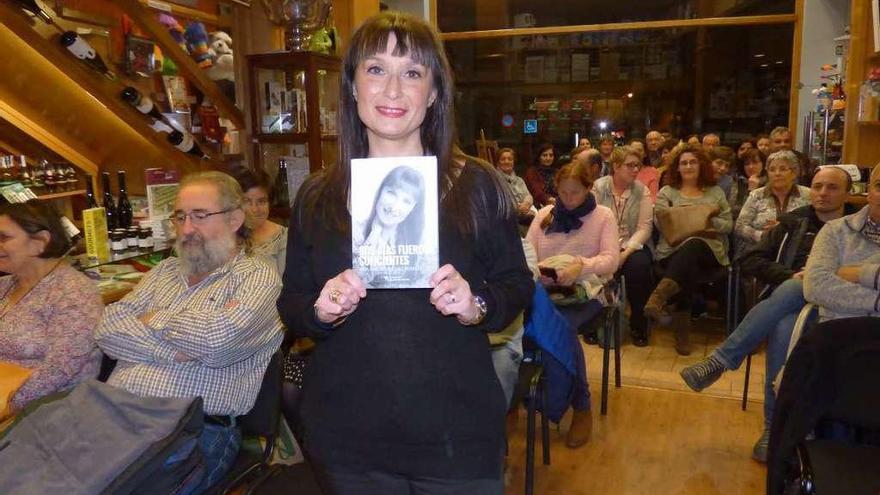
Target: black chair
262, 421
614, 316
825, 436
530, 389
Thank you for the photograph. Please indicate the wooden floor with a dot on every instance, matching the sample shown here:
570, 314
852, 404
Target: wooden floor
651, 442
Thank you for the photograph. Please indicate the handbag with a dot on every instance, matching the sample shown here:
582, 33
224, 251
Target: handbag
12, 377
678, 223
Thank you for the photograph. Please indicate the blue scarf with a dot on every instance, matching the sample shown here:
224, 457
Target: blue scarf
565, 220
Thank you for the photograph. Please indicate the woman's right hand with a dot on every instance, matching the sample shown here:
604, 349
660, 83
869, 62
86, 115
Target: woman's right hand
340, 297
754, 182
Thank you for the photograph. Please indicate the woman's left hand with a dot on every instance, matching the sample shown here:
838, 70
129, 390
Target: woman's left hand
452, 294
567, 276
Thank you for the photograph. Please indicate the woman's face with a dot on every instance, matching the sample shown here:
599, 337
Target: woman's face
764, 145
393, 94
572, 193
627, 171
689, 167
256, 206
638, 146
505, 162
547, 157
394, 205
743, 147
17, 247
753, 168
780, 175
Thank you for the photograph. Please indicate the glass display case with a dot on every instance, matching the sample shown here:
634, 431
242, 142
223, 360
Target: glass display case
294, 104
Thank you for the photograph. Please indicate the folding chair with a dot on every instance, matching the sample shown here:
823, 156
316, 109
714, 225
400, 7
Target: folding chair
615, 313
531, 389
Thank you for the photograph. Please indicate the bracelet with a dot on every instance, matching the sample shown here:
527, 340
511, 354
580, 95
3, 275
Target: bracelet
482, 309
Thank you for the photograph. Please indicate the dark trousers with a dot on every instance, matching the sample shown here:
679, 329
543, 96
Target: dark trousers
638, 271
690, 264
348, 481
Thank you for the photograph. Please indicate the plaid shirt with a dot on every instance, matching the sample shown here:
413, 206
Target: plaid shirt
227, 324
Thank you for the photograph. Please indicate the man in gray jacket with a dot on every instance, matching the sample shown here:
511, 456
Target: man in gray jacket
843, 271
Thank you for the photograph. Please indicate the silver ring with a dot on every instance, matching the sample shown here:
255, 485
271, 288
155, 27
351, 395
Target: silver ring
334, 296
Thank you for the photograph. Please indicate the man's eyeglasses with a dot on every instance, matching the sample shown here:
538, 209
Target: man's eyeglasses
633, 166
197, 217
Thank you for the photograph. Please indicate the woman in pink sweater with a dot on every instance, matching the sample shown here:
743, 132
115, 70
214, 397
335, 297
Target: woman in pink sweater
576, 240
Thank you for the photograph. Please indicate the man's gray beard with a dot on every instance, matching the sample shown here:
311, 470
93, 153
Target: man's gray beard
199, 260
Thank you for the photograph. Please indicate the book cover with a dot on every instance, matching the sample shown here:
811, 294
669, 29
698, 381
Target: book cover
395, 226
95, 227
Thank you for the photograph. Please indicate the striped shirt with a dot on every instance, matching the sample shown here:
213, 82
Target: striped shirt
227, 324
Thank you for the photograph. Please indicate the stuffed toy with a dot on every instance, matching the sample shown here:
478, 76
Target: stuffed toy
222, 56
174, 29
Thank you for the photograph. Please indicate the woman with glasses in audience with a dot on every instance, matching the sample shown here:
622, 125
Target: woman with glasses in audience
541, 176
400, 393
685, 261
576, 242
48, 309
765, 204
267, 237
630, 201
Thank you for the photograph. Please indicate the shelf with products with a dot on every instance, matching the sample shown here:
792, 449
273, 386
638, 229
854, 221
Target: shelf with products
294, 100
64, 194
84, 262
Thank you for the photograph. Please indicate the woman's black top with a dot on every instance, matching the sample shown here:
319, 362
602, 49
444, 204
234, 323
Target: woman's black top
398, 386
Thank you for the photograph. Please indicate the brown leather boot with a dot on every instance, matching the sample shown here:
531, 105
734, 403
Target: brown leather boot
655, 308
683, 340
581, 428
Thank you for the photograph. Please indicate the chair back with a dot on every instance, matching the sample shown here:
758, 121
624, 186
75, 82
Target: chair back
262, 420
857, 390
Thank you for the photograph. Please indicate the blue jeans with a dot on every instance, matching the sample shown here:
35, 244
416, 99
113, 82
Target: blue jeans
577, 316
506, 359
219, 446
771, 319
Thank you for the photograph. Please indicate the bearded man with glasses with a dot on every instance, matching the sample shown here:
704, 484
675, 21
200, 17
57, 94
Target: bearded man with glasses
203, 323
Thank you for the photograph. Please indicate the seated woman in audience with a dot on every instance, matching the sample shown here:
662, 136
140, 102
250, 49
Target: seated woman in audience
639, 146
520, 195
744, 145
781, 195
750, 175
540, 177
631, 203
576, 241
649, 176
685, 263
268, 238
48, 309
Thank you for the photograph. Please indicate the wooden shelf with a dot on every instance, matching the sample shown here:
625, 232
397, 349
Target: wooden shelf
186, 12
65, 194
869, 123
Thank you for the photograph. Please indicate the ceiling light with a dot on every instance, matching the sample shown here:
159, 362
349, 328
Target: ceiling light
759, 55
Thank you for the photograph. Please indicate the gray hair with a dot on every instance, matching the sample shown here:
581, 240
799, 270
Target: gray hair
229, 193
779, 130
787, 156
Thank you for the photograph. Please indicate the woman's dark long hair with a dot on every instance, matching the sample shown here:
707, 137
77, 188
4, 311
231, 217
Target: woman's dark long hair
409, 231
326, 195
541, 149
706, 177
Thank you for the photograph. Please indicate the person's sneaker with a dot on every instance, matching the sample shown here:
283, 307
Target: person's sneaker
759, 451
701, 375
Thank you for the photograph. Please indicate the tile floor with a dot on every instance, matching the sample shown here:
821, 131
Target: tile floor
658, 365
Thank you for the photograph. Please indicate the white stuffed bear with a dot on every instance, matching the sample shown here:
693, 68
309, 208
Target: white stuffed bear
221, 53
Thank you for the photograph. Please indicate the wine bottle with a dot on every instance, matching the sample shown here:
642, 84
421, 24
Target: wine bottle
282, 192
185, 143
123, 205
49, 177
142, 102
6, 170
82, 50
24, 174
72, 179
109, 208
91, 202
38, 176
34, 8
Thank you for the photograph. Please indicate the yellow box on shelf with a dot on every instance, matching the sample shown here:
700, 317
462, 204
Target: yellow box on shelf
95, 226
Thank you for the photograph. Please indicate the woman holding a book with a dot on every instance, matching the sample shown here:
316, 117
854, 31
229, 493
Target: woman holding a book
400, 395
